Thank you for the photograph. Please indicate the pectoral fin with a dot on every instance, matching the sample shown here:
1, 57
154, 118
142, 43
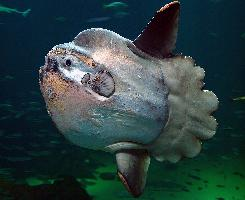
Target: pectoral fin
132, 169
159, 36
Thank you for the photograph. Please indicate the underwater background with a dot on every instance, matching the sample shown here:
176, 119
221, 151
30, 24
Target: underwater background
36, 162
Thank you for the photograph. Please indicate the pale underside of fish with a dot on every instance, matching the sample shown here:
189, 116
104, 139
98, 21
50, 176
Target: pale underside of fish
132, 98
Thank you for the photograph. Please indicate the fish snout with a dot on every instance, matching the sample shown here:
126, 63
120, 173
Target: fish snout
51, 64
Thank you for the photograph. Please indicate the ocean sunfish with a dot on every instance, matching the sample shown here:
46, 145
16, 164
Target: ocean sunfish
135, 99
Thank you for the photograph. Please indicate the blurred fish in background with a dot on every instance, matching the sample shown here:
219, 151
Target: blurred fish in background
242, 98
115, 5
98, 19
60, 19
5, 9
115, 9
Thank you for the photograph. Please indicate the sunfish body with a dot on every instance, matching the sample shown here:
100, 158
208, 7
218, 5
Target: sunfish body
132, 98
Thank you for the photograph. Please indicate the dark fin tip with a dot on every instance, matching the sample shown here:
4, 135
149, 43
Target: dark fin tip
135, 193
132, 169
159, 37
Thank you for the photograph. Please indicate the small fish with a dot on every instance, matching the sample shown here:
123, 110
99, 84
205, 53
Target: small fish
15, 135
107, 176
5, 9
228, 128
19, 115
18, 159
215, 1
220, 198
194, 177
225, 157
220, 186
115, 5
213, 34
38, 153
236, 151
6, 106
1, 133
54, 142
239, 174
97, 19
243, 35
188, 183
60, 19
239, 112
8, 77
185, 190
121, 14
239, 98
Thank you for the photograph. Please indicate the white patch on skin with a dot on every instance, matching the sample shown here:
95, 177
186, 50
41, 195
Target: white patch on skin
104, 54
74, 74
97, 96
77, 75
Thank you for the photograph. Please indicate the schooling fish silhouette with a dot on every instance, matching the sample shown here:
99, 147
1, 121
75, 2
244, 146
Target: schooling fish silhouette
135, 99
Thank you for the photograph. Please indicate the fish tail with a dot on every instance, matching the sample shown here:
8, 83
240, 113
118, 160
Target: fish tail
26, 12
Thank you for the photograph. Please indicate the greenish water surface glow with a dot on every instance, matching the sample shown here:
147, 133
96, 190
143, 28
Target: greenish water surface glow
34, 153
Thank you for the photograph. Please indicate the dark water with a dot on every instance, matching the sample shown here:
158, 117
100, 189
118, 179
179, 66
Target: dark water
32, 152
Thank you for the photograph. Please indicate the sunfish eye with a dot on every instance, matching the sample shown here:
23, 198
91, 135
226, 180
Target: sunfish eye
68, 62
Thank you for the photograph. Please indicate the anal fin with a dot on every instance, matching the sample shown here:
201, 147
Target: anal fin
132, 169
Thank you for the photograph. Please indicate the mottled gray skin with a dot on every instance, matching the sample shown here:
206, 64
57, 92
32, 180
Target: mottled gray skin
137, 111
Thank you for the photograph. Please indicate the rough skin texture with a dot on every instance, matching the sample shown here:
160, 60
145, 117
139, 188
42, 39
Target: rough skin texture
190, 107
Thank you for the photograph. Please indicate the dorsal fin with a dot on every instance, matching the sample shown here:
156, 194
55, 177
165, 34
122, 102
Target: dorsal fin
159, 37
